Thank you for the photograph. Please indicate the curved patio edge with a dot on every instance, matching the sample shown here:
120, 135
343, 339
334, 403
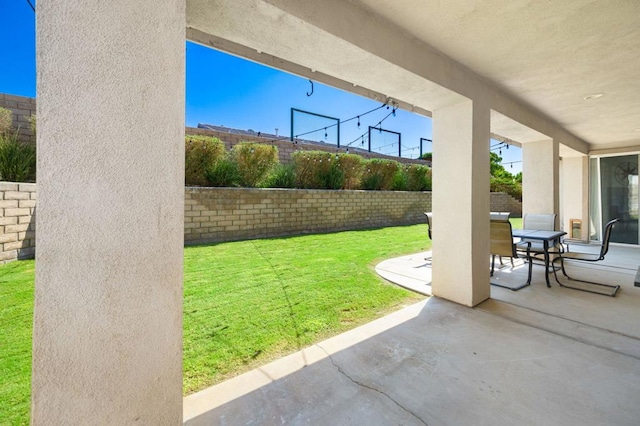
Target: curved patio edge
412, 272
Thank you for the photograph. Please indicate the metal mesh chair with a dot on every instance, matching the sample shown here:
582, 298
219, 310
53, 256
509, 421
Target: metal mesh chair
429, 217
429, 222
588, 257
502, 245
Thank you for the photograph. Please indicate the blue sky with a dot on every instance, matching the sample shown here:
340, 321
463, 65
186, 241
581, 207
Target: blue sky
225, 90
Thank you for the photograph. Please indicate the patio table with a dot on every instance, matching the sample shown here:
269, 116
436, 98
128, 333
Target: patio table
545, 237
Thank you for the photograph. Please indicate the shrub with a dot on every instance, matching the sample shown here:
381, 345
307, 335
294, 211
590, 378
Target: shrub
282, 176
351, 165
32, 125
6, 121
17, 159
506, 185
378, 174
310, 167
418, 178
201, 153
223, 172
400, 180
255, 162
332, 177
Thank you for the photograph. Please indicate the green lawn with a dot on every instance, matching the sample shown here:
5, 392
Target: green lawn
245, 303
16, 320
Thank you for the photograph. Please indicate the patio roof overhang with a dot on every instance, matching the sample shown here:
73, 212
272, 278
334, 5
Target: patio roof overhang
535, 63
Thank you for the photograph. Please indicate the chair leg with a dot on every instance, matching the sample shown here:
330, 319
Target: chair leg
493, 261
615, 288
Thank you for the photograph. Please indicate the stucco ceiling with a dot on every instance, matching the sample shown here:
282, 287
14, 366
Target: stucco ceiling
535, 61
549, 54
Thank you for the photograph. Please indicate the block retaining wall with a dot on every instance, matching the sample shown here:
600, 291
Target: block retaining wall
228, 214
234, 214
17, 221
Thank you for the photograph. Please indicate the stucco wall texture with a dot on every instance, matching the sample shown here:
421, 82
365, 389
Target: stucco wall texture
107, 332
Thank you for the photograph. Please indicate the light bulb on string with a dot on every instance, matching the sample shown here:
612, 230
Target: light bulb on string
358, 122
325, 132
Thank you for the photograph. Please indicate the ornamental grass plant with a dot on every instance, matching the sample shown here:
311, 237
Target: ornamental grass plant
201, 154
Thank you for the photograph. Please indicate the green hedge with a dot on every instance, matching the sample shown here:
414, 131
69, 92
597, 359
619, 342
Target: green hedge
256, 165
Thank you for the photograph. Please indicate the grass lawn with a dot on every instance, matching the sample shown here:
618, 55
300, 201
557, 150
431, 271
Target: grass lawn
245, 303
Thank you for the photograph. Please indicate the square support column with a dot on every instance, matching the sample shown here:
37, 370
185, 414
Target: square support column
107, 342
461, 202
574, 188
540, 177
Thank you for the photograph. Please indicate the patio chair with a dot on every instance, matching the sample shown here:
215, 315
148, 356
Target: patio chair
429, 222
502, 245
499, 215
538, 222
588, 257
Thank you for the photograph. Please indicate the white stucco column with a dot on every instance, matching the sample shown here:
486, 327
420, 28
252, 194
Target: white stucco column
540, 177
574, 190
461, 203
108, 305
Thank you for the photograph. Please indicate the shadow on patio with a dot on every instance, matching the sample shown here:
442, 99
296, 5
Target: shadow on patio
536, 356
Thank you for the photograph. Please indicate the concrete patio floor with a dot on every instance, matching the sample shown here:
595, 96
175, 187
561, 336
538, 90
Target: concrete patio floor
536, 356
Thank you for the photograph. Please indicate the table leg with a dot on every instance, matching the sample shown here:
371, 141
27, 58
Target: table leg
545, 244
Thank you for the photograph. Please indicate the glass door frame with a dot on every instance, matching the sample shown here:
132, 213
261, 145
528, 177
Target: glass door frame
598, 193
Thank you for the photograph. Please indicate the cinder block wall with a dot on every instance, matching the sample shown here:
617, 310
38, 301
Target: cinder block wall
228, 214
225, 214
22, 109
503, 202
17, 221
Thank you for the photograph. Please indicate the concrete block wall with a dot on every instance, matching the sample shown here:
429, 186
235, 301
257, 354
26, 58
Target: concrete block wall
22, 109
17, 221
503, 202
229, 214
225, 214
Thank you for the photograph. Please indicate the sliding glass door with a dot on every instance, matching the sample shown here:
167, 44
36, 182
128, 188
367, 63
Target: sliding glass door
614, 194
